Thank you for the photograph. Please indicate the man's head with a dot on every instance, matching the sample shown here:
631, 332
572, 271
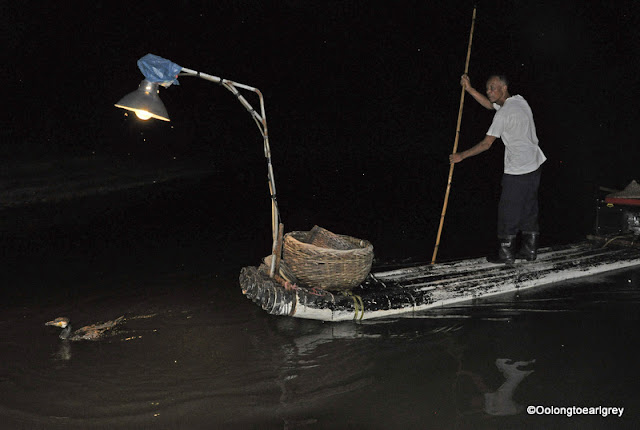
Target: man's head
497, 89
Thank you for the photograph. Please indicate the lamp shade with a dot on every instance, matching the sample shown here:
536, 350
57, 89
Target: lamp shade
145, 102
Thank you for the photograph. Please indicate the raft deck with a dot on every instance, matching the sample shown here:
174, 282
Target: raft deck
418, 288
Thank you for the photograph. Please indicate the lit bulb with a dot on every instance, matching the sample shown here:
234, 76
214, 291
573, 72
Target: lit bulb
143, 114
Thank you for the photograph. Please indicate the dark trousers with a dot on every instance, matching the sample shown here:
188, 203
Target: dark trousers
518, 207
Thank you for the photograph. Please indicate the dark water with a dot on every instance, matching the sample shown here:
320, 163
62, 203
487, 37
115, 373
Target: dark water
194, 353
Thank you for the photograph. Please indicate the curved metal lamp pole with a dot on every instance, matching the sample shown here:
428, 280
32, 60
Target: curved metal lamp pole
259, 118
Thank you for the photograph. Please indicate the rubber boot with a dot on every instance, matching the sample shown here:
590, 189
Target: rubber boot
529, 247
506, 251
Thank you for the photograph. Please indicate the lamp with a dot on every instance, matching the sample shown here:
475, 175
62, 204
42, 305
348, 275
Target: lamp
146, 103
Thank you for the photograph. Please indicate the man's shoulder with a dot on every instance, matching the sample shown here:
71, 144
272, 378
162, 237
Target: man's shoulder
518, 99
515, 103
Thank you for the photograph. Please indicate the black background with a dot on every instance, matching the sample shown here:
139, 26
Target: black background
361, 97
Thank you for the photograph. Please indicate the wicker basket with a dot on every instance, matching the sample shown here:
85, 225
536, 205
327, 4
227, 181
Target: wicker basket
327, 268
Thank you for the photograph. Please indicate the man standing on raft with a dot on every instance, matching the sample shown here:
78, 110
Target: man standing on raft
518, 207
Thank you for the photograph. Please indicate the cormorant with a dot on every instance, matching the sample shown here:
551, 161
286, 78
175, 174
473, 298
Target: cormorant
90, 332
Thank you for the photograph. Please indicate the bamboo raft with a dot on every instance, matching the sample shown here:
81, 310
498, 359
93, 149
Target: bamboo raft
414, 289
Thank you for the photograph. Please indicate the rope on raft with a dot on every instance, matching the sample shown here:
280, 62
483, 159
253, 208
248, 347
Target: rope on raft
608, 242
357, 303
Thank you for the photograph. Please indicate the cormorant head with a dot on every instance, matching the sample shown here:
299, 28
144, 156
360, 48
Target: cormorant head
63, 323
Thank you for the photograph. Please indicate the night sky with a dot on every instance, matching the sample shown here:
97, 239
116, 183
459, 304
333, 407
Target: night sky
361, 96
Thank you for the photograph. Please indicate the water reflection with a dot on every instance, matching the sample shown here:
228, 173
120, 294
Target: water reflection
358, 371
64, 351
320, 363
499, 401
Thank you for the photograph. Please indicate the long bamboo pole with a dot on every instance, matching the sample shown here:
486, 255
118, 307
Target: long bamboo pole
455, 143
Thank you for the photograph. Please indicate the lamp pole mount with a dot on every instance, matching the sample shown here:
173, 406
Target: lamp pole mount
146, 104
261, 121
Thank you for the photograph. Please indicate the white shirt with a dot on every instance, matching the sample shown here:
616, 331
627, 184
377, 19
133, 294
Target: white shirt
513, 123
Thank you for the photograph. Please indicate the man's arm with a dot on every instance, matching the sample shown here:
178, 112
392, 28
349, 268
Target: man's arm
480, 98
482, 146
